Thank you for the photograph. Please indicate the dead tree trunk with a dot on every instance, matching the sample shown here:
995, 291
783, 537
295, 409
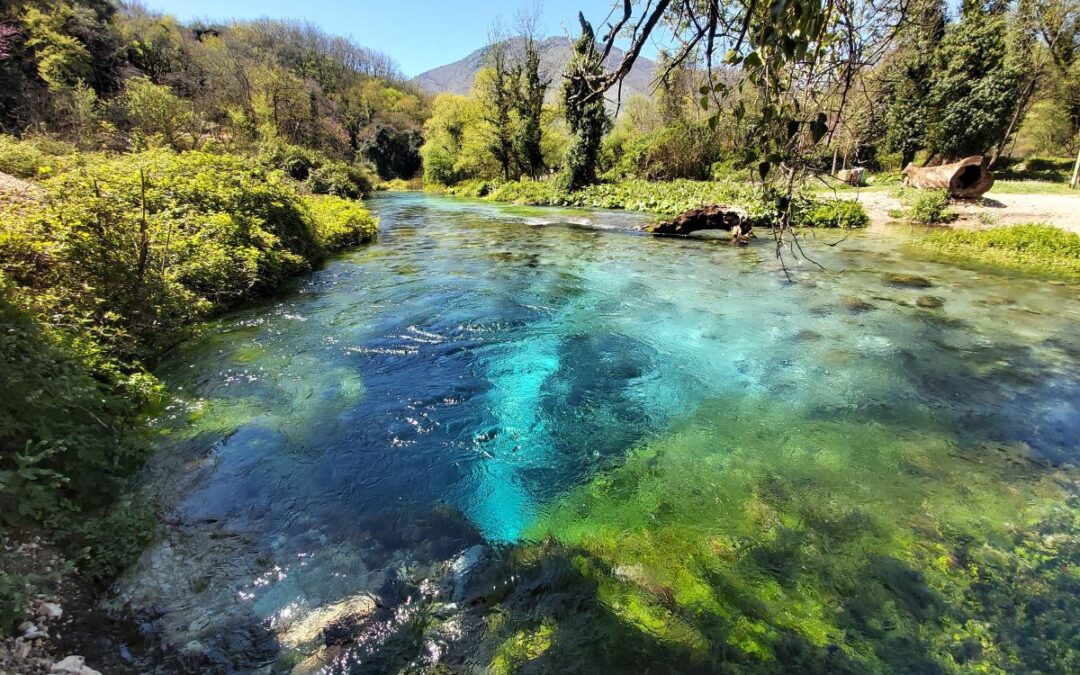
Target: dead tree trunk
966, 179
714, 217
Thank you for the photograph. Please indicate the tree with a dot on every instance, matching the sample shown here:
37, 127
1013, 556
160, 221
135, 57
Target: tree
975, 88
155, 112
529, 100
585, 113
498, 96
908, 77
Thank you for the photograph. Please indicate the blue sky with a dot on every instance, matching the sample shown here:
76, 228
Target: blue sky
419, 35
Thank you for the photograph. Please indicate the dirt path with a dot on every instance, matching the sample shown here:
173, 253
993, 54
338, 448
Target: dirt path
994, 209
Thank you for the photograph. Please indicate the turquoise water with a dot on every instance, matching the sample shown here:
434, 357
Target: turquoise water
452, 383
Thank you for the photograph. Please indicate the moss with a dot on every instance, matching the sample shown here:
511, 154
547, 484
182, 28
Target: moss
521, 647
1039, 249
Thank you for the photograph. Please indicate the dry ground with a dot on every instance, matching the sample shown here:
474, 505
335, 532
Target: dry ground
996, 209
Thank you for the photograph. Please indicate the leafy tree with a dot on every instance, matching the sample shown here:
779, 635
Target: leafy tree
585, 114
157, 115
908, 77
531, 88
498, 96
975, 88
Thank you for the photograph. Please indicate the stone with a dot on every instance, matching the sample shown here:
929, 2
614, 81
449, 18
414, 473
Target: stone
73, 665
50, 610
309, 627
929, 302
857, 304
906, 280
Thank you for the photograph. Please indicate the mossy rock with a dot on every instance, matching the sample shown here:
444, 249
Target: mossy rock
898, 280
929, 302
857, 305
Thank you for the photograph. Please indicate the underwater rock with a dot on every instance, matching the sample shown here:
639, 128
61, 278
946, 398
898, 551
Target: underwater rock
311, 626
929, 302
906, 280
857, 305
807, 335
73, 665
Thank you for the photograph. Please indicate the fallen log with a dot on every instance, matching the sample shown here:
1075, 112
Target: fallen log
716, 217
966, 179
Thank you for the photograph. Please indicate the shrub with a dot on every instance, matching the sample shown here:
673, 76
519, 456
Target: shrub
339, 222
32, 157
136, 247
393, 185
846, 213
318, 173
340, 179
57, 453
927, 206
1042, 249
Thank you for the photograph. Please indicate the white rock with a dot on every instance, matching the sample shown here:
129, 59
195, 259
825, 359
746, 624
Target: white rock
73, 665
50, 610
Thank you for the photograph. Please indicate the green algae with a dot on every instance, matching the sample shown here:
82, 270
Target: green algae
749, 540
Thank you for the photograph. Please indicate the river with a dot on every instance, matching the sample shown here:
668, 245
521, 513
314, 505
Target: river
663, 455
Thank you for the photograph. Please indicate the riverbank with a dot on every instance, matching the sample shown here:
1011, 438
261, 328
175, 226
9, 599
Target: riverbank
107, 261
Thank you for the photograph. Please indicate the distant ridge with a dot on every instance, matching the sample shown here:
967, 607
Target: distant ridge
457, 77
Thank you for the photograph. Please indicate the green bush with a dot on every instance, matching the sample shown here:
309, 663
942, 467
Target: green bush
846, 213
927, 207
339, 222
1041, 249
318, 173
55, 443
133, 248
662, 198
33, 157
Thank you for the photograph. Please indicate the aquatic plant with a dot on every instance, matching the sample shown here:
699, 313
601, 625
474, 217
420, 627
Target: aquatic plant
754, 542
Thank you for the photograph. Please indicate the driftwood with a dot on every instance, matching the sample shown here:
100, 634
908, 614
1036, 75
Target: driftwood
714, 217
966, 179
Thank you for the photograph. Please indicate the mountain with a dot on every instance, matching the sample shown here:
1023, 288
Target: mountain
457, 77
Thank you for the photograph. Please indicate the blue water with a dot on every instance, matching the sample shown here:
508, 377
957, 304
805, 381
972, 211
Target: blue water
445, 385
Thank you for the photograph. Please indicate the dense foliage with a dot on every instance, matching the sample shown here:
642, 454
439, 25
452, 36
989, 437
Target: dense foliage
121, 77
108, 265
669, 198
1041, 249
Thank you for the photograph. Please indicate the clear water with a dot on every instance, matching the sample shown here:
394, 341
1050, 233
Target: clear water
465, 378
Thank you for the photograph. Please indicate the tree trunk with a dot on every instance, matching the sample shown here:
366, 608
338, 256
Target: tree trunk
1076, 171
966, 179
704, 218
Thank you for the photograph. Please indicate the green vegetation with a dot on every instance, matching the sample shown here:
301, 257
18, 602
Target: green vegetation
1041, 249
926, 207
668, 198
119, 258
785, 546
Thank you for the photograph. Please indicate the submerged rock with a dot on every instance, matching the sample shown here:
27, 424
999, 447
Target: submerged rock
310, 627
906, 280
857, 304
929, 302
